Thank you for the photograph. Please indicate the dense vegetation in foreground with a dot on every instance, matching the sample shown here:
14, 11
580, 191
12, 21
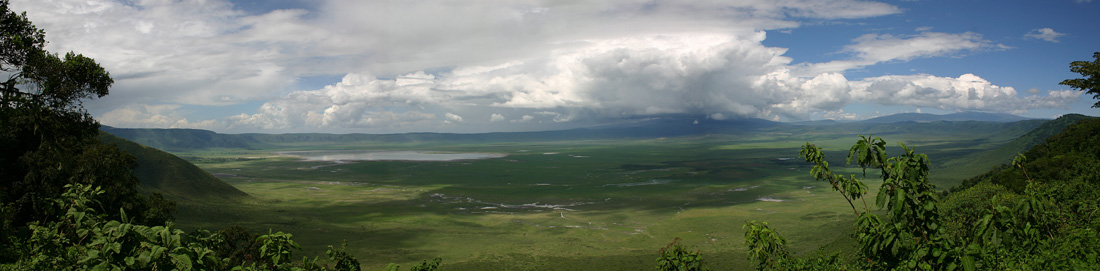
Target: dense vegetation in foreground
1008, 219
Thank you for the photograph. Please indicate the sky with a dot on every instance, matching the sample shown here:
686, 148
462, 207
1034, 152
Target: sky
379, 66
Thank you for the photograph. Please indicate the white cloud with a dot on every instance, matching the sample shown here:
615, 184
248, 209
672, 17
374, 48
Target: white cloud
360, 100
453, 118
1046, 34
967, 92
524, 118
871, 49
822, 96
211, 53
886, 47
164, 51
556, 117
717, 75
153, 116
142, 116
841, 115
253, 122
420, 65
696, 73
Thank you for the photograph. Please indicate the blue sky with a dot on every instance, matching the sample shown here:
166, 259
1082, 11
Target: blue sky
345, 66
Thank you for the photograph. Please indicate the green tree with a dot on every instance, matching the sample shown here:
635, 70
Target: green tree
676, 257
83, 240
1091, 71
48, 140
911, 236
1050, 226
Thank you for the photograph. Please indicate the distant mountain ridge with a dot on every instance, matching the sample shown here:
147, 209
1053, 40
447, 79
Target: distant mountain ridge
961, 116
177, 139
192, 139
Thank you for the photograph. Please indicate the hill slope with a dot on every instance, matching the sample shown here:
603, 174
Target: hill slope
178, 139
1070, 154
1006, 152
167, 174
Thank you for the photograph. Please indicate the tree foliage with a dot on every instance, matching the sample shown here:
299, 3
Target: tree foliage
676, 257
768, 251
84, 239
1050, 225
1091, 71
48, 140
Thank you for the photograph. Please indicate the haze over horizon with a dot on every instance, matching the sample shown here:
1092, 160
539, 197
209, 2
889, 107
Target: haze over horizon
345, 66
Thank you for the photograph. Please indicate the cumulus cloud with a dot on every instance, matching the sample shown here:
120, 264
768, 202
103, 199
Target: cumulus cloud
524, 118
360, 100
721, 76
697, 73
421, 65
164, 51
453, 118
841, 115
214, 53
966, 92
140, 116
1046, 34
365, 102
152, 116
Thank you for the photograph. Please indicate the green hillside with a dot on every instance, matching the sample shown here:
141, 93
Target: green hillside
178, 139
980, 162
1068, 155
1045, 204
1040, 213
167, 174
1004, 154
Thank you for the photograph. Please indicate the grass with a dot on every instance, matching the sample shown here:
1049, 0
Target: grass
569, 205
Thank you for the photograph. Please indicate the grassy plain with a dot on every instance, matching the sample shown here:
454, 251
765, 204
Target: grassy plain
556, 205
